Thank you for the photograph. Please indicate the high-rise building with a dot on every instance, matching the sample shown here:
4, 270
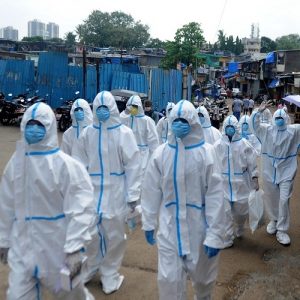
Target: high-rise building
36, 28
52, 30
9, 33
252, 44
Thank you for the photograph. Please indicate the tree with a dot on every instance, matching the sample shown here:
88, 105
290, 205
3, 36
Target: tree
70, 39
187, 42
288, 42
239, 47
155, 43
32, 39
55, 40
228, 43
267, 45
115, 29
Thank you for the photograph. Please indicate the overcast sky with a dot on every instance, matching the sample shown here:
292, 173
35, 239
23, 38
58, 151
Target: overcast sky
164, 17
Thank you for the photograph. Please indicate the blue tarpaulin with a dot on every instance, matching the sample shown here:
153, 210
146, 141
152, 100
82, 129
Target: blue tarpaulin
228, 75
233, 67
270, 59
274, 83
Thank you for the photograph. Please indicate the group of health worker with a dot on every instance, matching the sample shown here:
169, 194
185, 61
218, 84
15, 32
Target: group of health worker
61, 205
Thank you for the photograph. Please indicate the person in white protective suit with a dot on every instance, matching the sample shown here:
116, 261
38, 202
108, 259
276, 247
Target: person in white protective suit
280, 144
211, 134
248, 135
266, 116
82, 117
183, 190
46, 208
237, 159
110, 152
162, 126
143, 128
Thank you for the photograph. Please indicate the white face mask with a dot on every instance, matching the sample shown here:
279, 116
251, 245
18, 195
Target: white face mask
148, 108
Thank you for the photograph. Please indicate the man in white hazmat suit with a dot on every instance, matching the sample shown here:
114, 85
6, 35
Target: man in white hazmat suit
46, 208
82, 117
162, 126
211, 134
110, 152
280, 144
143, 128
248, 135
237, 159
183, 190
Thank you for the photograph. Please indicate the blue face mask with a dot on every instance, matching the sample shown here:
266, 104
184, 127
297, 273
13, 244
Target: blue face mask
202, 120
79, 115
245, 127
102, 113
34, 133
180, 129
230, 131
279, 122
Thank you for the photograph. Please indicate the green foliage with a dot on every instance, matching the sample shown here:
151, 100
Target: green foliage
115, 29
187, 42
56, 40
70, 39
288, 42
267, 45
155, 43
32, 39
228, 43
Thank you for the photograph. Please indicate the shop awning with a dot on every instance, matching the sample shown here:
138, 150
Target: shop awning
274, 83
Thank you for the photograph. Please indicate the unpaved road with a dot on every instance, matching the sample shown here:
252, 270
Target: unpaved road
256, 268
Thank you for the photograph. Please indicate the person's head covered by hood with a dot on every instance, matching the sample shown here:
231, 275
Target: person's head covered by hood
169, 108
280, 119
203, 117
245, 125
231, 128
185, 125
134, 106
38, 128
105, 110
81, 113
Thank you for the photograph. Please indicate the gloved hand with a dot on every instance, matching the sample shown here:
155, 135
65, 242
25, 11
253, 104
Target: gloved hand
149, 234
264, 105
74, 262
211, 252
255, 183
132, 205
3, 255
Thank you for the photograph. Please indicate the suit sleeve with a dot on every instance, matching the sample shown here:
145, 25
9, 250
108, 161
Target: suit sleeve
152, 136
79, 150
152, 192
7, 209
260, 130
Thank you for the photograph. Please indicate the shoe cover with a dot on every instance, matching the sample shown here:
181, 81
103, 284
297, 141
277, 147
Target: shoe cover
111, 284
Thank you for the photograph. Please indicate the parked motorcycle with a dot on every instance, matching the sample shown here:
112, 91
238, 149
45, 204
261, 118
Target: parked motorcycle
12, 111
63, 114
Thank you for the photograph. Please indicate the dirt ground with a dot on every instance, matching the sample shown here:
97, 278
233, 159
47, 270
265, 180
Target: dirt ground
256, 268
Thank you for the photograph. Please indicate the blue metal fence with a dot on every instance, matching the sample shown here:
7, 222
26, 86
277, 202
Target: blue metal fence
59, 81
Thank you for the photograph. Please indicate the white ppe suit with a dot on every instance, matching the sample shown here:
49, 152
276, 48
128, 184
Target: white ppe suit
211, 134
72, 133
279, 165
110, 153
238, 162
162, 126
265, 116
46, 208
248, 135
183, 190
143, 128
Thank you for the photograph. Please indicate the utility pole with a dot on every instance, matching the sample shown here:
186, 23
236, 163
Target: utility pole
84, 71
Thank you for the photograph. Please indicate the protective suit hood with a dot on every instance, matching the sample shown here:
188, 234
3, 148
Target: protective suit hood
204, 112
107, 99
185, 110
245, 119
280, 113
44, 114
136, 100
88, 115
232, 120
169, 105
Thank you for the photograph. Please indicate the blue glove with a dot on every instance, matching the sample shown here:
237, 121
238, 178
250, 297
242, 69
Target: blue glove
149, 237
211, 252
